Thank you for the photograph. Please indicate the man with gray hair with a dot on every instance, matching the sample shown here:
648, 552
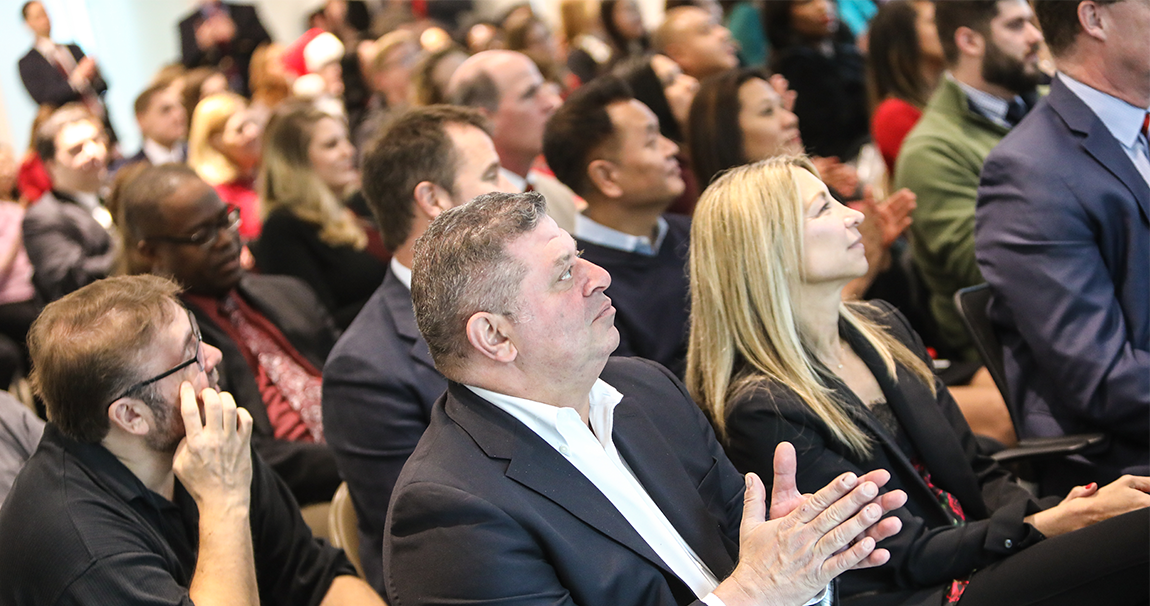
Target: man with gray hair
550, 474
508, 88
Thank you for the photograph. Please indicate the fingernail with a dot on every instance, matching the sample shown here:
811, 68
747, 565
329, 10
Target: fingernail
747, 481
869, 489
849, 480
1091, 486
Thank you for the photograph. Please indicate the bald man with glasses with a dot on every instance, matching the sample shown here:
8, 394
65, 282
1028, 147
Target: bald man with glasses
272, 330
144, 488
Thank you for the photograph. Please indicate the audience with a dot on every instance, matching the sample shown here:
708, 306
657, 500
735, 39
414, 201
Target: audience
587, 53
224, 149
389, 75
777, 356
694, 38
68, 232
222, 35
991, 51
1061, 236
134, 497
819, 59
623, 26
198, 84
269, 81
308, 171
380, 382
163, 126
606, 146
507, 87
272, 330
528, 486
19, 304
433, 72
905, 64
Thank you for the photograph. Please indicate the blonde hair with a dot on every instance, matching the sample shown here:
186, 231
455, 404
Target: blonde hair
746, 264
208, 120
287, 179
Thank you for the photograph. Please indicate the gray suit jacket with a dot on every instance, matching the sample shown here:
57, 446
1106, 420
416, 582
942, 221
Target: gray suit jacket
67, 247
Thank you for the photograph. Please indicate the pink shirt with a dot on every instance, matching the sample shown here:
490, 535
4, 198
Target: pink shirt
15, 280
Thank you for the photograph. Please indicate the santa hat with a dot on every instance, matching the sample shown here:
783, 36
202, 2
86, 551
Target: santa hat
311, 51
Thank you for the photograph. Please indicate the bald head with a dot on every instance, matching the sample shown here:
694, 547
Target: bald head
693, 38
508, 88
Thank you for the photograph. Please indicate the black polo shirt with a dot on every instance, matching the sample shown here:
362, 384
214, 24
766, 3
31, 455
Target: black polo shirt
80, 527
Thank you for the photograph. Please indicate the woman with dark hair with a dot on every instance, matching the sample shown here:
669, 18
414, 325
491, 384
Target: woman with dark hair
623, 24
660, 84
308, 171
776, 355
820, 60
905, 64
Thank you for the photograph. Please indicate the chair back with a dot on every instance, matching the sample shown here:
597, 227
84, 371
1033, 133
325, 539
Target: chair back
344, 526
972, 303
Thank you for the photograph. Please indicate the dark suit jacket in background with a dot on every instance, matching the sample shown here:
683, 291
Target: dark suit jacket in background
67, 246
47, 85
928, 552
1063, 237
250, 33
308, 469
379, 385
487, 512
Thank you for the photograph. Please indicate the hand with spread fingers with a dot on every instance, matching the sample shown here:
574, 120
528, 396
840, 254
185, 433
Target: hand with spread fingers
809, 539
214, 461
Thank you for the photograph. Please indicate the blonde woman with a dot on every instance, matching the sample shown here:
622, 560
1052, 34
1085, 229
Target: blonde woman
224, 150
308, 171
775, 355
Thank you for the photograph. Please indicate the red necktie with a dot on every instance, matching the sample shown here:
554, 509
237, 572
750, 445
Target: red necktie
1146, 126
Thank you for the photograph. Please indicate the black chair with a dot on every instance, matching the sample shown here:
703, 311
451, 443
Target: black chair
972, 303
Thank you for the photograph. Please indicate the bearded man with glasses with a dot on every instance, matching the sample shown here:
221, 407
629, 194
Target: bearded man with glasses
144, 488
272, 330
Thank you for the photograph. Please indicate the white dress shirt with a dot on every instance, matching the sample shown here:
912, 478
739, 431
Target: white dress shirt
1123, 120
402, 272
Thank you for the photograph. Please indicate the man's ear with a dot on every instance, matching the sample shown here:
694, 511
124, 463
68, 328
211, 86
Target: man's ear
969, 42
604, 176
490, 334
431, 199
130, 415
1092, 20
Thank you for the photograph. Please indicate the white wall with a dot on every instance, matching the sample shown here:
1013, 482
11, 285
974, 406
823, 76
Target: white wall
131, 39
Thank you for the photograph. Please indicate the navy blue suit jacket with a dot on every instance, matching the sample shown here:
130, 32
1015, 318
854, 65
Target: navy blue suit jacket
487, 512
46, 85
379, 385
1063, 238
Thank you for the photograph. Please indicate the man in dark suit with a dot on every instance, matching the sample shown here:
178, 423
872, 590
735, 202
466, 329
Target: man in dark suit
1062, 235
380, 381
163, 125
68, 231
550, 475
272, 331
223, 35
55, 74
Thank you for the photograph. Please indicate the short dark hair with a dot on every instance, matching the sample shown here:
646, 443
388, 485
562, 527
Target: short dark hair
67, 114
462, 267
581, 127
1059, 22
414, 148
87, 348
139, 200
647, 88
479, 90
714, 137
144, 100
950, 15
27, 5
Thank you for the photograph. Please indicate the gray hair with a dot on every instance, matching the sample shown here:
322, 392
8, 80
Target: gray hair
461, 268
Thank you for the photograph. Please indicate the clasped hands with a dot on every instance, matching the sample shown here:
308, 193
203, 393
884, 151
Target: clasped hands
808, 540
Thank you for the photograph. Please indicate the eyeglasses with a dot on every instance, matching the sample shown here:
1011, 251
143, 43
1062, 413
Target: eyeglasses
197, 358
206, 236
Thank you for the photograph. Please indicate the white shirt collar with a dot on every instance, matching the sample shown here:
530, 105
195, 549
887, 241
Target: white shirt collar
588, 230
1124, 121
46, 47
158, 154
402, 272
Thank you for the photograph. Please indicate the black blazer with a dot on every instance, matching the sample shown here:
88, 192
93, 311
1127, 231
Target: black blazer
307, 468
67, 246
928, 552
379, 386
486, 511
45, 83
250, 33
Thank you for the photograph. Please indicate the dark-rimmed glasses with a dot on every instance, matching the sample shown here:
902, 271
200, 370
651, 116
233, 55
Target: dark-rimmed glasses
207, 235
197, 358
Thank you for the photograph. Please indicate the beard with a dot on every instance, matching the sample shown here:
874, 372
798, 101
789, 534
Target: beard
165, 437
1009, 72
